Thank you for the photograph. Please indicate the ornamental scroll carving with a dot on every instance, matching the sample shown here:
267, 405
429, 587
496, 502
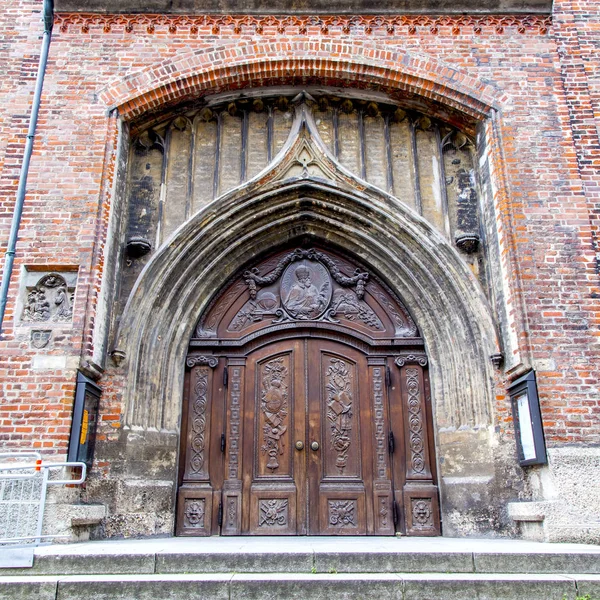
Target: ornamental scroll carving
339, 410
198, 424
50, 301
274, 406
305, 285
415, 421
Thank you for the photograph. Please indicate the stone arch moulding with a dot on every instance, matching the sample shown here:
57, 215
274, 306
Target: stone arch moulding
304, 192
373, 65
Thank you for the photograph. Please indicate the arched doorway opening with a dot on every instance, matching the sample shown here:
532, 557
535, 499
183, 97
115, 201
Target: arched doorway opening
307, 407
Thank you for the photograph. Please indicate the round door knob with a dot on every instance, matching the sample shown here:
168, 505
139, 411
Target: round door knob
315, 446
299, 445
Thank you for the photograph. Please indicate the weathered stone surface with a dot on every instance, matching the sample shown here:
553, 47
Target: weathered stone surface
150, 587
24, 588
467, 587
243, 562
316, 587
532, 562
388, 562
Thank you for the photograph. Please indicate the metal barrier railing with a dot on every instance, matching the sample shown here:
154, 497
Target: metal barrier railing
24, 481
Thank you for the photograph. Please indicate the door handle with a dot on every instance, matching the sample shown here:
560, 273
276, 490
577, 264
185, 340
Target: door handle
314, 446
299, 445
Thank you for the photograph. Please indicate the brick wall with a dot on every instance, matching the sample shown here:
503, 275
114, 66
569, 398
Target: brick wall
539, 78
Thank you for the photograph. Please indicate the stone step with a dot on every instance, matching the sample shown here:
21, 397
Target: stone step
312, 555
305, 586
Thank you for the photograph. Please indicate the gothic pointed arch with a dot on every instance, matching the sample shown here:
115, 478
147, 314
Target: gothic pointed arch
305, 192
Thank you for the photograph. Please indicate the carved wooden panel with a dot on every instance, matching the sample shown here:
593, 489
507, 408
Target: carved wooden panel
274, 414
273, 510
306, 286
194, 510
198, 428
343, 512
340, 413
421, 510
273, 418
417, 452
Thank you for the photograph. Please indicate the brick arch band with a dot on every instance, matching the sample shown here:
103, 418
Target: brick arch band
332, 62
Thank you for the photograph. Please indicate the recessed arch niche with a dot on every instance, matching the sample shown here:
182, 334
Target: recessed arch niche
306, 192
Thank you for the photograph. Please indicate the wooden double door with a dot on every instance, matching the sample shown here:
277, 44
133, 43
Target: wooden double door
307, 436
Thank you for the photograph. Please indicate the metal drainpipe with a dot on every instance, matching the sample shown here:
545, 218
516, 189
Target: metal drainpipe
48, 18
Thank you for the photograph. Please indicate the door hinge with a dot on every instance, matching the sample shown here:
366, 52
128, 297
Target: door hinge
396, 512
225, 376
391, 442
220, 515
223, 442
388, 377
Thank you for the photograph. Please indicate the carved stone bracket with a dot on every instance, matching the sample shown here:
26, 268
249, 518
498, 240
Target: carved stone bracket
497, 359
412, 359
468, 242
198, 361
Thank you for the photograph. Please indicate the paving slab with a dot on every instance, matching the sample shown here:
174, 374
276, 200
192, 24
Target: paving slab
588, 584
239, 562
316, 587
488, 587
537, 562
149, 587
27, 588
305, 554
348, 561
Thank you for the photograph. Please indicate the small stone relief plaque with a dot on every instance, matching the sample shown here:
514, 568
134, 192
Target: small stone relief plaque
48, 298
40, 338
194, 513
273, 513
306, 290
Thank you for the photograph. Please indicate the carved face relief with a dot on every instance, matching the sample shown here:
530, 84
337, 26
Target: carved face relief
305, 290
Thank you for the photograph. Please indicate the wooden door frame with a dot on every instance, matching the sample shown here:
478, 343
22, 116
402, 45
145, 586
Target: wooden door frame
416, 495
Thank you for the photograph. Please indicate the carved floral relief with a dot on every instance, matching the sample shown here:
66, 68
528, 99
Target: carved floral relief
274, 406
339, 410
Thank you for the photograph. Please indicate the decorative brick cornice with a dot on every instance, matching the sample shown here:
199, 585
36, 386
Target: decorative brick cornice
305, 25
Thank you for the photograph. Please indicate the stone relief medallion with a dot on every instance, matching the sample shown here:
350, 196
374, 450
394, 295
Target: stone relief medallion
305, 290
